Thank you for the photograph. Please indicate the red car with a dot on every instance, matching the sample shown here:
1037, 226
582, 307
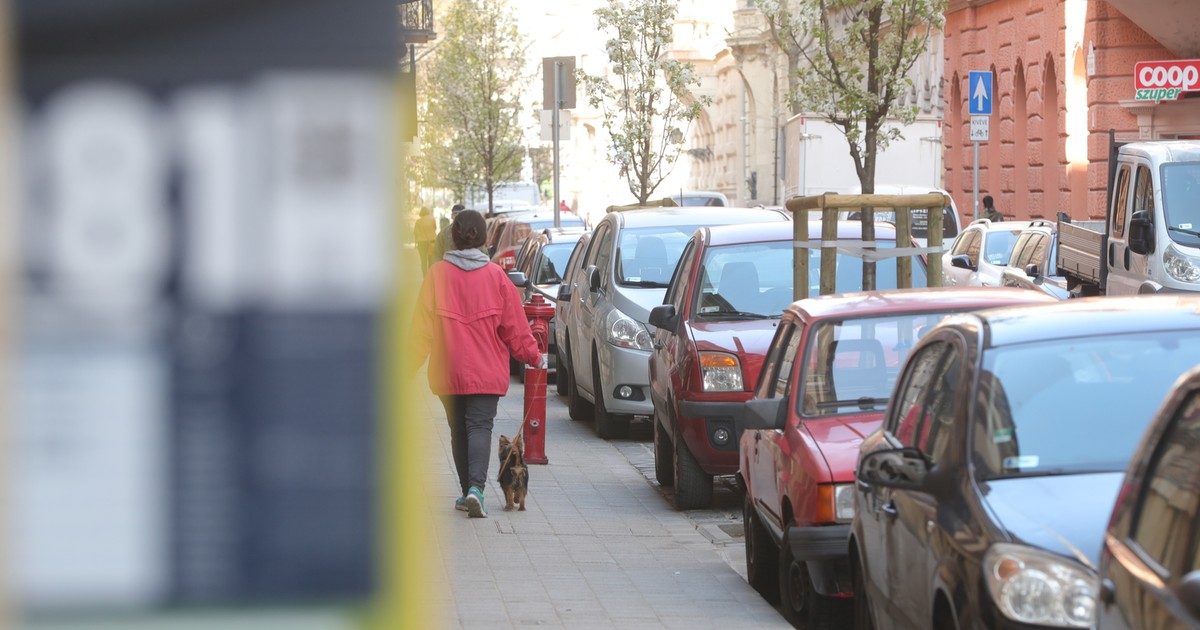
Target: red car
823, 387
721, 310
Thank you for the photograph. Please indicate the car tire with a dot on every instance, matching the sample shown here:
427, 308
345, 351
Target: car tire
608, 425
693, 486
762, 555
560, 375
862, 601
664, 464
578, 408
801, 605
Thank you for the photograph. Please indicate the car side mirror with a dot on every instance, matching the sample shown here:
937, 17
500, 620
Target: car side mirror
1141, 234
593, 275
564, 293
902, 468
1188, 592
1032, 270
962, 261
518, 278
665, 318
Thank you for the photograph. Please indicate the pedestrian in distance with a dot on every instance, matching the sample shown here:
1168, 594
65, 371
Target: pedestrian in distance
445, 243
424, 233
989, 210
562, 206
467, 322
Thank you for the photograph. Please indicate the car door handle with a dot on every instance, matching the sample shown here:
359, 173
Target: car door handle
889, 508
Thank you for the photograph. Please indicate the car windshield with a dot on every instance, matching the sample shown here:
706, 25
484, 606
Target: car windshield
750, 280
698, 200
647, 256
998, 248
851, 365
1073, 405
1181, 189
553, 263
920, 221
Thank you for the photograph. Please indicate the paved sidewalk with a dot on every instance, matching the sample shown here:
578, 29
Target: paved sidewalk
598, 546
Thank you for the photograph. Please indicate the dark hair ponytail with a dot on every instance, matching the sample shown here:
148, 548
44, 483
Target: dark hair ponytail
468, 230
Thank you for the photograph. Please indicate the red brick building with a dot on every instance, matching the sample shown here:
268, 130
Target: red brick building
1063, 76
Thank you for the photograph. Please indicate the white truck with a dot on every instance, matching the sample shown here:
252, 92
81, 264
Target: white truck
1150, 240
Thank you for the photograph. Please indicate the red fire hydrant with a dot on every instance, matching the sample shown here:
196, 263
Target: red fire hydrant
539, 312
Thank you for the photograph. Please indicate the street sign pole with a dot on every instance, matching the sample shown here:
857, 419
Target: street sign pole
979, 106
554, 123
975, 186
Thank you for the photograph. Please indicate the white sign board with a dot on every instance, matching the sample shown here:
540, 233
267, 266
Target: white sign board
979, 129
564, 125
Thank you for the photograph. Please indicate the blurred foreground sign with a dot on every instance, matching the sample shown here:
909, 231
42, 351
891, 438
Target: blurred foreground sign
206, 257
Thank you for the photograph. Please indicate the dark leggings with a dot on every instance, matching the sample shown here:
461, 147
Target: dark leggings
470, 417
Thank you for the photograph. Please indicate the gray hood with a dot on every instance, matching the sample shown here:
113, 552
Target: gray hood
466, 259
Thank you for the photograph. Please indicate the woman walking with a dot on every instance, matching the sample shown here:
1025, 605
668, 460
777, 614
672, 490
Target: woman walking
468, 320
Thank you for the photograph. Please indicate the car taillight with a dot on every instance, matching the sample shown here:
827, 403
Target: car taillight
720, 372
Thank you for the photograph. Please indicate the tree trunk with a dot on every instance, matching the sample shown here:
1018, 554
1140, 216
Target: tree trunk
867, 182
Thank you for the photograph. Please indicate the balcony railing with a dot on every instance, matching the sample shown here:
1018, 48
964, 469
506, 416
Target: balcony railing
416, 21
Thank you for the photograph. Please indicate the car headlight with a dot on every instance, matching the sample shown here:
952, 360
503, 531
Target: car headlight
1180, 266
720, 372
626, 332
843, 501
1036, 587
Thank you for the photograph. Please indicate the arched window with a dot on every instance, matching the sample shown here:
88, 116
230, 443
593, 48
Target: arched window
992, 183
953, 135
1020, 97
1052, 155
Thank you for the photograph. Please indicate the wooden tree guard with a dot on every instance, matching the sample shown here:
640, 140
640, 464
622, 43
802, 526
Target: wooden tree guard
830, 204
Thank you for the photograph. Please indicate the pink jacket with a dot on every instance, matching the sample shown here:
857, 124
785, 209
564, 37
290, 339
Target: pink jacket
467, 323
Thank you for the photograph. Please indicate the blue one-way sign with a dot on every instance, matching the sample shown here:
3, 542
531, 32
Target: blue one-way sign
979, 93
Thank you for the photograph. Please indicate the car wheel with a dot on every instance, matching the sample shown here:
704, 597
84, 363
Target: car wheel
560, 375
664, 470
693, 486
762, 555
862, 601
608, 425
577, 407
802, 606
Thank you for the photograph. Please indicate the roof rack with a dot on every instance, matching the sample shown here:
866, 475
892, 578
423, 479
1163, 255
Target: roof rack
1040, 223
981, 222
665, 202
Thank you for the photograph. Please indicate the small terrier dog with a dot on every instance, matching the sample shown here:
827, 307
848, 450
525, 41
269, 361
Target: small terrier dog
514, 475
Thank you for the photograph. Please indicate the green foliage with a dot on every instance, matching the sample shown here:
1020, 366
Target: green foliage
471, 134
646, 100
857, 55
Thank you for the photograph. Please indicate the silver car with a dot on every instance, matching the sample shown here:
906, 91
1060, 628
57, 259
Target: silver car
607, 340
980, 253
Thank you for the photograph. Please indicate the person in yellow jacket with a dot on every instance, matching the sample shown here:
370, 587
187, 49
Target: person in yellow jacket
425, 233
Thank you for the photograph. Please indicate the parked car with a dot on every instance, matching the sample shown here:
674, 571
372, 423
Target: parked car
512, 234
1032, 263
982, 501
629, 262
700, 198
826, 380
722, 307
951, 224
980, 253
571, 278
1149, 567
538, 272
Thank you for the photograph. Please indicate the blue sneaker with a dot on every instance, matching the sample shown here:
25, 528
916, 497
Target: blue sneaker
474, 501
460, 504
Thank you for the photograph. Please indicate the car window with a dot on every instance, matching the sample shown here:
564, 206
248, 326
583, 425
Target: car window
1038, 255
999, 246
1019, 249
602, 233
1037, 398
1121, 202
1180, 183
942, 411
573, 262
908, 411
783, 379
851, 365
976, 239
648, 256
677, 294
919, 219
770, 368
551, 263
603, 256
1143, 192
1170, 496
1027, 253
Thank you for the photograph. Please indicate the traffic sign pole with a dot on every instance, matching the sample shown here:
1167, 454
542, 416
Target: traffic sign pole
557, 106
975, 186
979, 106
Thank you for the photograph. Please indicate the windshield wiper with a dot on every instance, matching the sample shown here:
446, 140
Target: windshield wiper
649, 284
736, 315
866, 403
1182, 230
